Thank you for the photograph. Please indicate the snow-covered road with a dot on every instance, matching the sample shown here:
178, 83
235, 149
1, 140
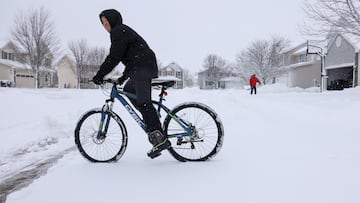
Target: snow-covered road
282, 145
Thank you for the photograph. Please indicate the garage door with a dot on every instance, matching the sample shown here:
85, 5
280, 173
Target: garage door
340, 78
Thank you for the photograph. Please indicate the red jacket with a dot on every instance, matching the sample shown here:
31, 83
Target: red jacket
254, 80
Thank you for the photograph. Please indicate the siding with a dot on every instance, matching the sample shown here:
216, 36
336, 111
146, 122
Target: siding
345, 53
6, 73
306, 76
66, 75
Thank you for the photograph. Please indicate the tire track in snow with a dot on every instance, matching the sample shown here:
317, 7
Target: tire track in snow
25, 176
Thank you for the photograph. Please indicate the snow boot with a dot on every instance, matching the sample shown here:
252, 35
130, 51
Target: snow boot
159, 142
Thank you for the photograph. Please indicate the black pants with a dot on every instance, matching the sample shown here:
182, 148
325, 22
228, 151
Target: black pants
253, 88
140, 84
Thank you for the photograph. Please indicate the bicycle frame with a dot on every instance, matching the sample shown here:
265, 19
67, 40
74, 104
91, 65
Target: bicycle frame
118, 94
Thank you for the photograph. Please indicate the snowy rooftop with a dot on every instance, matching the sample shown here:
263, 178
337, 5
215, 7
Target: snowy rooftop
173, 66
302, 50
165, 79
3, 43
14, 64
353, 40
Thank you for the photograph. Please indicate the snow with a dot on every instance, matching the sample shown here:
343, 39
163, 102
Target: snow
282, 145
14, 64
343, 65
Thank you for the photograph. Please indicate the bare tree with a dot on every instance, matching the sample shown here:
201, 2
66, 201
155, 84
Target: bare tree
215, 66
243, 67
96, 56
160, 64
34, 32
330, 16
213, 61
189, 80
262, 57
80, 50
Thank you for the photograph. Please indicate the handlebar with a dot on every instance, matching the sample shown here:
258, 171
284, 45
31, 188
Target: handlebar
164, 84
113, 81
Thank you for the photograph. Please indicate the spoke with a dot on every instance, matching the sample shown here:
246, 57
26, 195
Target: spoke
207, 130
101, 150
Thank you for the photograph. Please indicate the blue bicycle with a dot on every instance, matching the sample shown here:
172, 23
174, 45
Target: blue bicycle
195, 131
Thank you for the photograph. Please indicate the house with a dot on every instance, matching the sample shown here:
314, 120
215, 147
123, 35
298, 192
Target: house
48, 78
15, 72
88, 72
341, 62
209, 78
231, 83
214, 78
173, 69
66, 72
12, 72
300, 69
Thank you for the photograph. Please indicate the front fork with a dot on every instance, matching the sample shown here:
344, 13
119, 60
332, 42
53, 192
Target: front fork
105, 119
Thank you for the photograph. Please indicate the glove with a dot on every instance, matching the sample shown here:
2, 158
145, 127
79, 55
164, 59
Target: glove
98, 80
122, 79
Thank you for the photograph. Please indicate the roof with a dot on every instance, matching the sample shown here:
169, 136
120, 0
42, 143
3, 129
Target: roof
293, 48
14, 64
301, 50
231, 79
3, 43
343, 65
298, 65
353, 40
302, 47
166, 78
173, 66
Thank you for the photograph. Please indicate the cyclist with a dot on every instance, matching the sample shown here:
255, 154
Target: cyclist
130, 48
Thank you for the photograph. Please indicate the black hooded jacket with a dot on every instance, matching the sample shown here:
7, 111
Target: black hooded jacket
127, 47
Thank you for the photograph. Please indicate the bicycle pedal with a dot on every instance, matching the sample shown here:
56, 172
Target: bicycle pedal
153, 155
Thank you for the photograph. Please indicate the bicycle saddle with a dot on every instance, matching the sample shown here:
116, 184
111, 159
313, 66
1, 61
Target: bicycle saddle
168, 83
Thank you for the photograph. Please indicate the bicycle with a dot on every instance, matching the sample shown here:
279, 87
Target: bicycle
195, 131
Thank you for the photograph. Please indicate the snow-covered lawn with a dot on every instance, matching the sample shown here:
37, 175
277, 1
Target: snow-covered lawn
281, 146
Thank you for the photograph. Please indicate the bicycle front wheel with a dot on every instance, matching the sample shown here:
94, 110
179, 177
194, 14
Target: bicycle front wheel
107, 148
207, 133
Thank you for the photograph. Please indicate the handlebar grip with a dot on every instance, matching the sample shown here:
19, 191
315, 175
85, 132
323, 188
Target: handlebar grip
107, 81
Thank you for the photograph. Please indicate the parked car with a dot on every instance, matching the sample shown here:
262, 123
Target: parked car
339, 84
5, 83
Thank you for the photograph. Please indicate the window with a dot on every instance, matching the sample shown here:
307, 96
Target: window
178, 74
84, 80
302, 58
47, 62
169, 73
24, 76
3, 55
11, 56
6, 55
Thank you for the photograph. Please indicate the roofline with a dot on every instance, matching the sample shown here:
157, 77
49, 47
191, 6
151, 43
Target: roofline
333, 39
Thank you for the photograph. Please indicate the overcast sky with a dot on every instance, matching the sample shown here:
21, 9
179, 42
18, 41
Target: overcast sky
184, 31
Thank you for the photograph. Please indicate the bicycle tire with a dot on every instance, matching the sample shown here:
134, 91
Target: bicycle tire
110, 149
209, 131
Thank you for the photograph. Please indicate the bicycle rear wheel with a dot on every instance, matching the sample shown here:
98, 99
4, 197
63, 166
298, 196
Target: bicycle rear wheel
109, 147
207, 132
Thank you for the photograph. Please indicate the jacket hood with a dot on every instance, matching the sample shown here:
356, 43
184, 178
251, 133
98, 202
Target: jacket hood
113, 16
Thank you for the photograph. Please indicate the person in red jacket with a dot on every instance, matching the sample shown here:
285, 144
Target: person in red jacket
253, 81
